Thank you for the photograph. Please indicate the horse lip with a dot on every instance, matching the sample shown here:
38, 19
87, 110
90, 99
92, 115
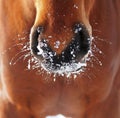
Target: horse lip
65, 68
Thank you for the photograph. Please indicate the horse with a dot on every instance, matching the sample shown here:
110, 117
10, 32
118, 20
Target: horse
59, 57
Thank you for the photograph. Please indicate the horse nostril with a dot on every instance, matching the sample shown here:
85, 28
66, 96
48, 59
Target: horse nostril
82, 40
34, 39
79, 45
39, 46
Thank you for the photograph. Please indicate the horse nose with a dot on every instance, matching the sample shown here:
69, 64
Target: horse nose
74, 51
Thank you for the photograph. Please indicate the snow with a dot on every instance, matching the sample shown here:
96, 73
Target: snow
57, 44
39, 29
29, 65
50, 36
40, 50
75, 6
58, 116
77, 30
67, 69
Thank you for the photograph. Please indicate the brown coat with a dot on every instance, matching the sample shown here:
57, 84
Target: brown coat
34, 93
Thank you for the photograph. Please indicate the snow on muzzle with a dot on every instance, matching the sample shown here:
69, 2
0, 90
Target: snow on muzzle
71, 59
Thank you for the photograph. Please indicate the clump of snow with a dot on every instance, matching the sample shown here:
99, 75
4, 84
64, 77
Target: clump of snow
64, 26
29, 65
40, 50
58, 116
50, 36
75, 6
49, 14
39, 29
57, 44
77, 30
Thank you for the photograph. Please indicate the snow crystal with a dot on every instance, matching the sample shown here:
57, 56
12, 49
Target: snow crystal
96, 23
49, 36
75, 76
42, 44
49, 14
54, 79
64, 26
29, 66
77, 30
100, 52
57, 44
50, 54
74, 55
100, 63
75, 6
68, 75
39, 29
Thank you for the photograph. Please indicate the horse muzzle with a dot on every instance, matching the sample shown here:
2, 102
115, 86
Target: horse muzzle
71, 59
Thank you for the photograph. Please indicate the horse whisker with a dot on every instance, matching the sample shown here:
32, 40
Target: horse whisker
14, 60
